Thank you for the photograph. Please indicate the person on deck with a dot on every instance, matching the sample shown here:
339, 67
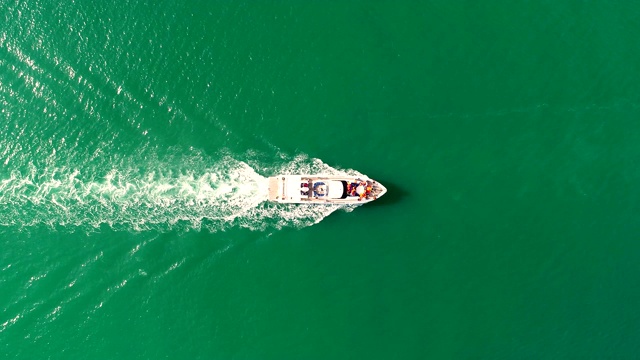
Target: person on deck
351, 189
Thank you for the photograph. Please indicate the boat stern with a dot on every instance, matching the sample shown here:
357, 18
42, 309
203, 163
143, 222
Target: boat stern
275, 188
285, 189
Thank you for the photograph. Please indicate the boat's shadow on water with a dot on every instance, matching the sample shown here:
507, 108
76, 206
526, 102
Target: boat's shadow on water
394, 195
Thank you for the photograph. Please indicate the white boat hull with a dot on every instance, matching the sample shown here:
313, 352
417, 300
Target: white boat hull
324, 189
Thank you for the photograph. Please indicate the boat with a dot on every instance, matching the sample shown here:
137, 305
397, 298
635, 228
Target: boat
324, 189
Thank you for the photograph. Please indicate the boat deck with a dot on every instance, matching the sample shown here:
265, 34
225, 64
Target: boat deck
273, 188
302, 189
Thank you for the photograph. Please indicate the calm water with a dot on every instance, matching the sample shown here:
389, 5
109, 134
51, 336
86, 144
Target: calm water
136, 139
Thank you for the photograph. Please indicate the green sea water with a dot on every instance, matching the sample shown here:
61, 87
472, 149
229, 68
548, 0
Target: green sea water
136, 138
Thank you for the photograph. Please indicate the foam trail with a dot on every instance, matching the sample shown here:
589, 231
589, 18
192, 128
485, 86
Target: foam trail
127, 198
